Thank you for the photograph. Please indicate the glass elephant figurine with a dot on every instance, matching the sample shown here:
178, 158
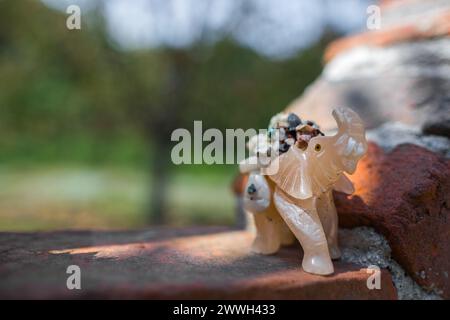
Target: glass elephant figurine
289, 190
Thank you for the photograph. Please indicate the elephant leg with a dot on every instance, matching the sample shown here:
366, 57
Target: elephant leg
329, 218
268, 239
302, 218
287, 237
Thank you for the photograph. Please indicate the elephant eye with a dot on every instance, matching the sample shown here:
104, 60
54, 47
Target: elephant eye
317, 147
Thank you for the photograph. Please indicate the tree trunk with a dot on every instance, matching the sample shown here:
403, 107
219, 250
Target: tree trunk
160, 127
160, 172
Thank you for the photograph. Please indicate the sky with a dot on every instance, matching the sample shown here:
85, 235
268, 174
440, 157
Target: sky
277, 29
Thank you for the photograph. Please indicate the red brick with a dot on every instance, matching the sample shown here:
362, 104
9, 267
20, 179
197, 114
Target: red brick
165, 263
405, 195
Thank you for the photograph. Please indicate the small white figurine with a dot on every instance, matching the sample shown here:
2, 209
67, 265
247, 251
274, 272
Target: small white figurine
298, 193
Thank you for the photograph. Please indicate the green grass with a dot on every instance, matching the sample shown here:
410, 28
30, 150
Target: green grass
109, 197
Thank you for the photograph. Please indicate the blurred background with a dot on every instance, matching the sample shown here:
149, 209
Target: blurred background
86, 115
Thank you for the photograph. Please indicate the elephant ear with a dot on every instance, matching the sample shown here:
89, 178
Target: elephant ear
308, 173
290, 173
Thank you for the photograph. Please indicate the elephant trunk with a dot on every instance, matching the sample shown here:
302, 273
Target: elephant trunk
350, 141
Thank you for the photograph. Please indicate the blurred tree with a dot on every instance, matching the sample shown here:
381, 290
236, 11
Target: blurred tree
58, 83
182, 43
201, 75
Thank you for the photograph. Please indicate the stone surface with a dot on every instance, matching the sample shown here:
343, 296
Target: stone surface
169, 263
405, 195
399, 73
438, 123
408, 83
392, 134
365, 247
401, 21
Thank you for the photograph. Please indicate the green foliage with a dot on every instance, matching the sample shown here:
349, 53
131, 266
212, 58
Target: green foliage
65, 93
236, 88
76, 99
